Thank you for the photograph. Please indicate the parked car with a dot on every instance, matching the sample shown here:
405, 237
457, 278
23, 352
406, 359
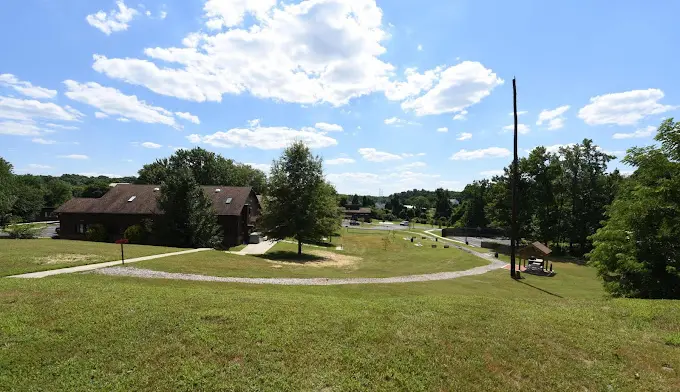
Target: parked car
354, 223
404, 223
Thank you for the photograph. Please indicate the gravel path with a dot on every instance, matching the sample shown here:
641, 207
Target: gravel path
145, 273
494, 264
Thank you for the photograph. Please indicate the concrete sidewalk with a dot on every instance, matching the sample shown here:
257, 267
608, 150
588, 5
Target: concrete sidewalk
257, 249
90, 267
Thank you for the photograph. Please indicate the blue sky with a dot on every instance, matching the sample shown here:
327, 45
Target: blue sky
394, 95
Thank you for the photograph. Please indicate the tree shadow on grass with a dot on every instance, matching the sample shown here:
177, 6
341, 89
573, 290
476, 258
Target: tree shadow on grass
291, 257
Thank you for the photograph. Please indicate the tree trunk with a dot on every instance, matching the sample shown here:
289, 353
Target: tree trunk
299, 247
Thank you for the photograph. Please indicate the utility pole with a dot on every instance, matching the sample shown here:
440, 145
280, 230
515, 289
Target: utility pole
513, 229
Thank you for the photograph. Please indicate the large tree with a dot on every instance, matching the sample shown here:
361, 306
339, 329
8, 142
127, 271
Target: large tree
206, 167
637, 252
7, 195
188, 219
299, 203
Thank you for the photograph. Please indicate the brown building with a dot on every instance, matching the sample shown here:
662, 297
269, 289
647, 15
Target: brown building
125, 205
356, 212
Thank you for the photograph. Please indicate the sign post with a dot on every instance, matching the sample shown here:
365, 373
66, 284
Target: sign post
121, 242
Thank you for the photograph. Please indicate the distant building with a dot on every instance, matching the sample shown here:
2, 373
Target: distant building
125, 205
454, 202
380, 206
356, 212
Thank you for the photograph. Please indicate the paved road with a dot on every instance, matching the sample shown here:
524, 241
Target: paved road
90, 267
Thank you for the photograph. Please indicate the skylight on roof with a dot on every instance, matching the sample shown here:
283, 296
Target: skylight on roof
156, 189
132, 198
228, 201
218, 190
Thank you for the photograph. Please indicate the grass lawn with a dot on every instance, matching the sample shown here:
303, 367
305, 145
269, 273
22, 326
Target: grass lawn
22, 256
363, 256
481, 333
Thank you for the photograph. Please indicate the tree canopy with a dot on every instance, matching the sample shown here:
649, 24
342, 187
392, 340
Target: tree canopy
298, 202
207, 168
637, 252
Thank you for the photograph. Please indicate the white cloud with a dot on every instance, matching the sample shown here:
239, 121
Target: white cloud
194, 138
74, 156
398, 122
100, 115
415, 84
326, 127
464, 136
522, 129
315, 51
123, 119
39, 140
114, 103
38, 166
97, 174
162, 14
112, 21
150, 145
640, 133
458, 87
519, 113
26, 88
554, 118
555, 148
371, 183
461, 116
442, 129
265, 167
265, 138
339, 161
29, 109
625, 108
188, 116
373, 155
420, 47
230, 13
19, 128
409, 155
60, 126
411, 165
491, 152
452, 185
491, 173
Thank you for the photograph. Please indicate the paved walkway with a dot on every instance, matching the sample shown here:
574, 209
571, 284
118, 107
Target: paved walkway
145, 273
90, 267
256, 249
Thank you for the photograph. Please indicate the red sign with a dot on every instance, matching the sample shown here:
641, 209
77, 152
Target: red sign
122, 241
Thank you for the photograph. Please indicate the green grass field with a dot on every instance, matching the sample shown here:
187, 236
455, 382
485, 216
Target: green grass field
363, 255
479, 333
22, 256
484, 333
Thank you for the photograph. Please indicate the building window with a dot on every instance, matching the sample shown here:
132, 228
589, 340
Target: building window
81, 228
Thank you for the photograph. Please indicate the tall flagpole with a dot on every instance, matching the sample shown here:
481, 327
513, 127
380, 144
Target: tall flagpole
513, 229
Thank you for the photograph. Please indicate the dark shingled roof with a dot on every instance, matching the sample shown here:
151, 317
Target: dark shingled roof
357, 211
115, 201
535, 245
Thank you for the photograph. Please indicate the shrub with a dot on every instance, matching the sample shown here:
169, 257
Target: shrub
97, 233
136, 234
367, 219
24, 231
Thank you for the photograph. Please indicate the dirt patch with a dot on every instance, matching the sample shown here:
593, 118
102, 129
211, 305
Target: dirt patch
65, 258
326, 259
